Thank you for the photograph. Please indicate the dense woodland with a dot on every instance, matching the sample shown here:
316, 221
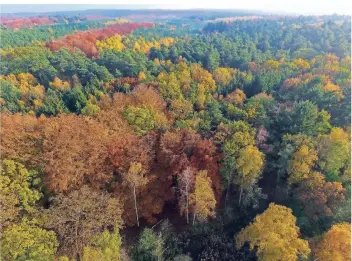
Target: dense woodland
179, 137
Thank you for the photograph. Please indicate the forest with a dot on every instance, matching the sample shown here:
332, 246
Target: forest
175, 136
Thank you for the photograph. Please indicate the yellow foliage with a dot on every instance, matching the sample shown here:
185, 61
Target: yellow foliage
301, 63
114, 42
249, 165
271, 64
275, 235
201, 97
335, 245
203, 199
301, 164
58, 84
223, 76
144, 46
201, 75
37, 103
141, 76
330, 87
117, 21
28, 87
339, 135
136, 175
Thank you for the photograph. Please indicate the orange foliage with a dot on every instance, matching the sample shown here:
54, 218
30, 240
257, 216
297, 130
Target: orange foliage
319, 197
86, 40
58, 84
70, 159
335, 245
21, 139
290, 83
236, 97
330, 87
20, 22
185, 148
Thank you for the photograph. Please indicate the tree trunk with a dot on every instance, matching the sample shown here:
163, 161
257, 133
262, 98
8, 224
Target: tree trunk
227, 194
76, 239
194, 216
135, 205
187, 212
239, 201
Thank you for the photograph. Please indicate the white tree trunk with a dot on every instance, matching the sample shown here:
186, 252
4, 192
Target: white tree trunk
187, 206
135, 205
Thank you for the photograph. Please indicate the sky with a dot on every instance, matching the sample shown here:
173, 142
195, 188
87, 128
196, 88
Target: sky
276, 6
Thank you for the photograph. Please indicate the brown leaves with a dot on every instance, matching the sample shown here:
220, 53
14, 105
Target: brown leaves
79, 216
75, 150
86, 40
319, 197
21, 139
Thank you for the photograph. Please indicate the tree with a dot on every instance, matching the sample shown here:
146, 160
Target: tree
75, 100
249, 165
212, 60
28, 241
301, 164
10, 96
237, 97
203, 199
21, 139
238, 167
223, 76
58, 84
16, 190
175, 147
71, 159
141, 76
186, 183
135, 178
334, 151
334, 245
275, 235
80, 216
105, 246
53, 104
308, 120
90, 109
150, 246
142, 120
169, 86
318, 197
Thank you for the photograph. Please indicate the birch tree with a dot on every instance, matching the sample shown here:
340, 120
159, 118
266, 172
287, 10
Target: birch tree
185, 186
135, 179
203, 199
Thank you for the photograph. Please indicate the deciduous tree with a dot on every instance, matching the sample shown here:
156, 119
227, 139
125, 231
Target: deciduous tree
335, 245
16, 190
135, 178
75, 149
28, 241
202, 199
275, 235
186, 183
81, 215
104, 247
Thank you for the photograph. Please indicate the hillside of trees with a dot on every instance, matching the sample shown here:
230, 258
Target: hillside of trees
175, 136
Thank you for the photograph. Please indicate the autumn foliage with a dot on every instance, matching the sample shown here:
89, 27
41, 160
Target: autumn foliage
87, 41
20, 22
